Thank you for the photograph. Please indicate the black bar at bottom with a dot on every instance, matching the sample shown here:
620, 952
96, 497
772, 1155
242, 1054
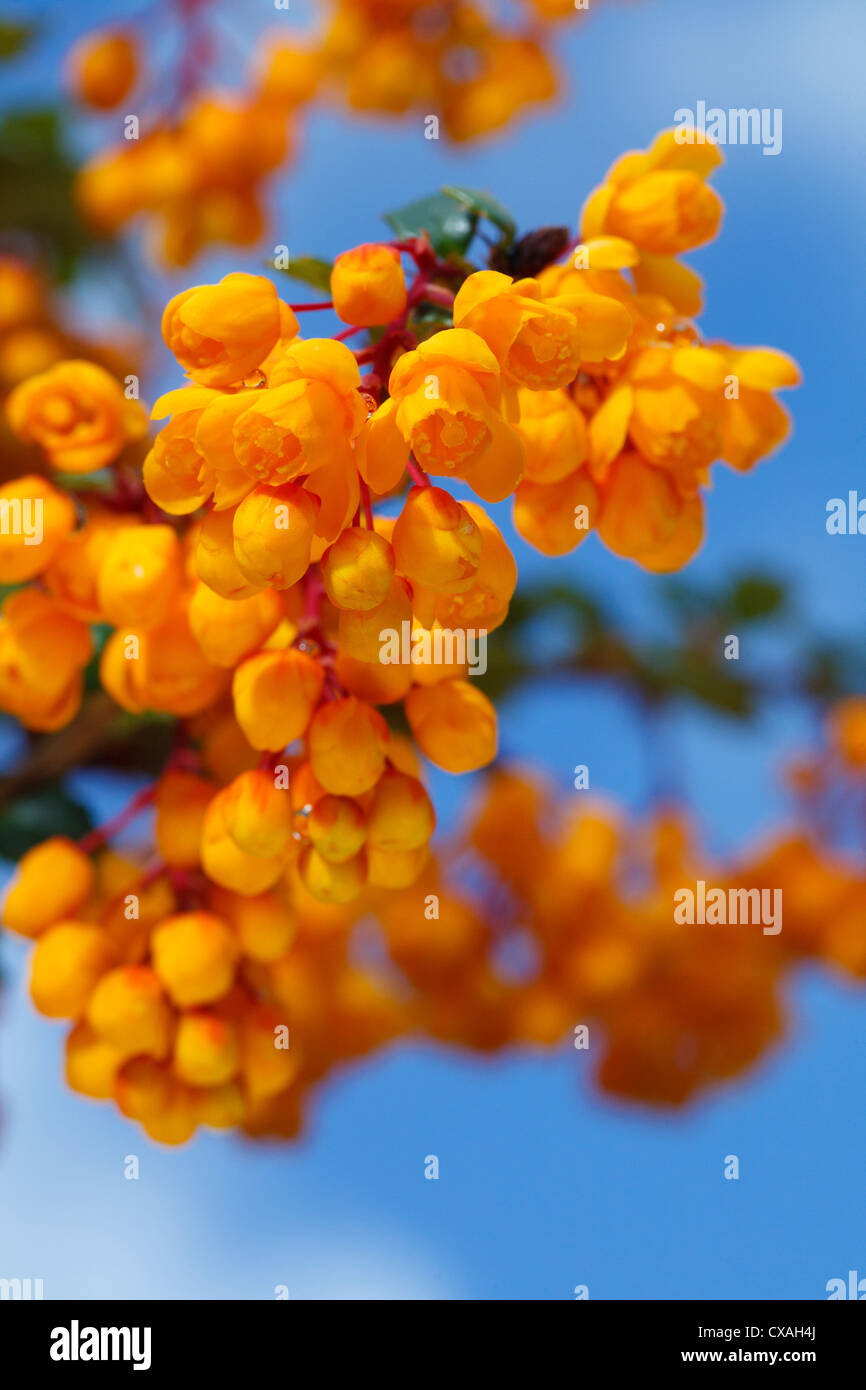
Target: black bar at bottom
66, 1338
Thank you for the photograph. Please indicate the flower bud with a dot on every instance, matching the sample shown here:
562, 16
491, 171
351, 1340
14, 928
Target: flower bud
368, 286
347, 742
454, 725
194, 955
52, 882
128, 1008
69, 960
273, 532
436, 542
358, 569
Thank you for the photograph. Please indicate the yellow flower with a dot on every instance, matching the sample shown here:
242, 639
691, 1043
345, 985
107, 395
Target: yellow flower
553, 431
103, 68
39, 520
447, 393
140, 576
43, 652
221, 333
658, 199
368, 286
646, 518
78, 414
539, 342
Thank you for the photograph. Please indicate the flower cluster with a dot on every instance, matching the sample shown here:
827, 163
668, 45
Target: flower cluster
245, 584
680, 1008
197, 171
639, 433
457, 62
197, 163
191, 1004
195, 1005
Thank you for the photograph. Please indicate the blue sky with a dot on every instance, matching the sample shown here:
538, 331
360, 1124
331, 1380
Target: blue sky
543, 1184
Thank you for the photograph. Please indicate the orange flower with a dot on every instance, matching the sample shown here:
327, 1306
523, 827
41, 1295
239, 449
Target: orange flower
289, 75
753, 421
454, 724
348, 740
53, 881
79, 415
233, 143
36, 520
556, 517
644, 516
103, 68
160, 668
368, 286
381, 451
538, 341
275, 694
221, 333
43, 652
194, 957
21, 294
670, 404
658, 199
847, 725
69, 960
228, 630
436, 542
448, 393
553, 431
140, 576
273, 531
514, 72
176, 473
358, 569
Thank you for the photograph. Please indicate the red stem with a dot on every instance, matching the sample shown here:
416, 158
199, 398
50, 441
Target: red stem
98, 837
151, 872
416, 473
434, 294
314, 590
196, 52
422, 253
308, 308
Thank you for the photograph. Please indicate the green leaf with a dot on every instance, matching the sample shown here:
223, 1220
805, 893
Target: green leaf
428, 319
449, 225
36, 815
14, 37
831, 670
755, 596
37, 190
484, 205
310, 271
102, 481
100, 633
670, 674
585, 611
395, 718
